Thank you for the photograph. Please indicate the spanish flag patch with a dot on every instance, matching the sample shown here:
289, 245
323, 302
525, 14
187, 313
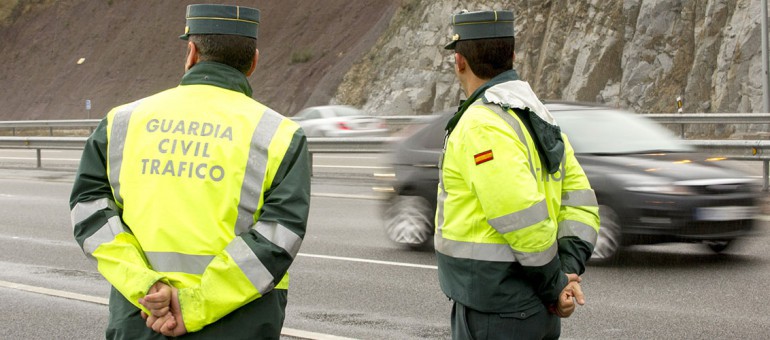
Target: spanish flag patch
483, 157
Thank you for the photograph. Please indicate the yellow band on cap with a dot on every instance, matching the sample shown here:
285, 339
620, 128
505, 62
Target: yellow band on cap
481, 22
228, 19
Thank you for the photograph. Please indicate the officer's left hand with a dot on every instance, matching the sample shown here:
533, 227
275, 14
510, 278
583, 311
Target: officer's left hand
171, 324
158, 299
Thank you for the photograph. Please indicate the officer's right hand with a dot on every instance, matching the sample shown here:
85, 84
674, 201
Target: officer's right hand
574, 278
569, 295
176, 328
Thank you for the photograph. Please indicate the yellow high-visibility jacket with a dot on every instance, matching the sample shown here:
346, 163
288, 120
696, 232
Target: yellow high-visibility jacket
199, 186
507, 230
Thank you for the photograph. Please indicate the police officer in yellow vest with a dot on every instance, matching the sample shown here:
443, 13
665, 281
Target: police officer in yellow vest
516, 219
194, 201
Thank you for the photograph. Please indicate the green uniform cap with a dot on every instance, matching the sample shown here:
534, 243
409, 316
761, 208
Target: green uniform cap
221, 19
480, 25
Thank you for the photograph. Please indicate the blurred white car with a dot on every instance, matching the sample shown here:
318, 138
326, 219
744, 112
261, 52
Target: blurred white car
339, 121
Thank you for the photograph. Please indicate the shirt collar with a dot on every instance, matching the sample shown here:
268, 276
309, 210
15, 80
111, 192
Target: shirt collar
500, 78
217, 74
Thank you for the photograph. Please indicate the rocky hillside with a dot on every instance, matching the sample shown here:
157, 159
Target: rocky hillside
636, 54
130, 49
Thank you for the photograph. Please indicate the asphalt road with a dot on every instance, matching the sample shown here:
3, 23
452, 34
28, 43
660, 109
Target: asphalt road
350, 281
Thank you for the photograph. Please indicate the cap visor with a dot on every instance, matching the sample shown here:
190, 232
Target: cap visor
451, 45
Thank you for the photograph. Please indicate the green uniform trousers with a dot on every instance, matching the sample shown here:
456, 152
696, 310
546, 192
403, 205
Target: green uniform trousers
260, 319
536, 323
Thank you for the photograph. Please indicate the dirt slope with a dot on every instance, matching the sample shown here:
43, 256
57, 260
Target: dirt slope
131, 50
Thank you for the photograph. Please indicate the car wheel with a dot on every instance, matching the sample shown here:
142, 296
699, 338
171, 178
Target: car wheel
409, 221
609, 240
718, 246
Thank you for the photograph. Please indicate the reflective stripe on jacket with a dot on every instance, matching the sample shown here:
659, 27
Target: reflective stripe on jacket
499, 214
208, 191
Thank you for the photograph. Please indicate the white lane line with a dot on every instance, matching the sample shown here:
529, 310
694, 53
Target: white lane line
102, 301
310, 335
354, 259
44, 158
344, 157
54, 292
352, 167
362, 197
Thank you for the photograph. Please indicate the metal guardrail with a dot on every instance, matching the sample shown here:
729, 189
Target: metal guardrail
733, 149
663, 118
396, 122
66, 143
683, 119
315, 145
351, 145
754, 150
709, 118
49, 124
40, 143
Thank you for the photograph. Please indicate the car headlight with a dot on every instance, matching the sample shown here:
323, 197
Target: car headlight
653, 185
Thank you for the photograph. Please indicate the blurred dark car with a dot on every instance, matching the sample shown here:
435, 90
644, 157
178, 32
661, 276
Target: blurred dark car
339, 121
651, 188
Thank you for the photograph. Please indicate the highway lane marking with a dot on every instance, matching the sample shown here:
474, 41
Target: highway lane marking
38, 240
310, 335
362, 197
353, 166
103, 301
44, 158
344, 157
354, 259
54, 292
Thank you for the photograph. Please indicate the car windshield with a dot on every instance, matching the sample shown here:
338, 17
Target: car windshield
605, 131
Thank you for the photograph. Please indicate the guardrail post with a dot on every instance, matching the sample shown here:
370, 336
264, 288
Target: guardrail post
311, 163
765, 174
39, 157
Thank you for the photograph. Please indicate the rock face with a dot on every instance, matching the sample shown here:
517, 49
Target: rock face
635, 54
130, 49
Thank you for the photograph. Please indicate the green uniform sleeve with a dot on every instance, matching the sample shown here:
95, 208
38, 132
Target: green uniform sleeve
578, 216
98, 227
256, 262
499, 174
